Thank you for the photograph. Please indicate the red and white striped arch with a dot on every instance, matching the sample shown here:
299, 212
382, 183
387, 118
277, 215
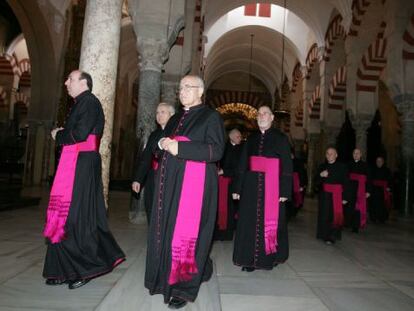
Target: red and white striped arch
311, 59
337, 89
22, 100
3, 96
296, 76
24, 73
299, 114
372, 63
359, 8
335, 31
408, 41
8, 65
315, 104
221, 98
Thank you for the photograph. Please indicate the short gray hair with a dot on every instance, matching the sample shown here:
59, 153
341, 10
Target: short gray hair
170, 107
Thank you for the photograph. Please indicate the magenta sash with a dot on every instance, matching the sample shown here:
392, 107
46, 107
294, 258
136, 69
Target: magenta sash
387, 195
297, 194
154, 163
270, 168
361, 202
223, 200
61, 193
184, 241
336, 190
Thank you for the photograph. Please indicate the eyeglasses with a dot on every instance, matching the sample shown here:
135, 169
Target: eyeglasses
187, 87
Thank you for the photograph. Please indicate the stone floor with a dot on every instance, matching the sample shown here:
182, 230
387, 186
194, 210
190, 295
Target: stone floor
373, 270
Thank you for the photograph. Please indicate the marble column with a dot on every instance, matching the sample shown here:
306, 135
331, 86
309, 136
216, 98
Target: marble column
169, 91
152, 55
361, 124
405, 105
99, 57
331, 134
313, 141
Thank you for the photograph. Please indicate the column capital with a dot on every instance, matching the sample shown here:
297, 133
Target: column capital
360, 121
152, 53
405, 106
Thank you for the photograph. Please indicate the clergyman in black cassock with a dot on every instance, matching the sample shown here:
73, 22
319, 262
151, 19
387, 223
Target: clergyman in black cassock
227, 207
85, 247
331, 178
251, 240
355, 212
380, 199
300, 180
144, 175
193, 138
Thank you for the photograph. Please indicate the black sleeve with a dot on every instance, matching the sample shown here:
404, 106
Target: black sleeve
286, 180
209, 150
86, 116
241, 169
146, 158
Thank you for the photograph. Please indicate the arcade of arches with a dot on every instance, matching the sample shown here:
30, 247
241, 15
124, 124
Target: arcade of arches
332, 70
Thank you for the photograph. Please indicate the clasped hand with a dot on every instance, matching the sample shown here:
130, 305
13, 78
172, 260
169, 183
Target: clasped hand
169, 145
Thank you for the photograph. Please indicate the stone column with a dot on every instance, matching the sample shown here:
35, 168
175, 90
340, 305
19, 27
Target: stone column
152, 54
99, 57
331, 134
169, 91
361, 124
405, 105
313, 140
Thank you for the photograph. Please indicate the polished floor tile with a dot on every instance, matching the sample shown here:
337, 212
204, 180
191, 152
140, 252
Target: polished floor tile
372, 270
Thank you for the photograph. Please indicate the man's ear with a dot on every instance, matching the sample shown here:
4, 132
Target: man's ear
200, 92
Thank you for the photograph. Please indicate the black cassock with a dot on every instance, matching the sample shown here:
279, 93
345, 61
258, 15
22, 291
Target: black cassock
299, 168
229, 164
337, 174
249, 245
89, 249
378, 210
146, 170
351, 214
204, 127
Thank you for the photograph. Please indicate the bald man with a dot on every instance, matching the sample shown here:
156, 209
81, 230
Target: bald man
80, 245
359, 191
332, 177
227, 206
185, 199
263, 185
144, 175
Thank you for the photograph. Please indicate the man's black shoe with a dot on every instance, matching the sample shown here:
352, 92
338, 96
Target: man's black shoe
55, 282
248, 269
176, 303
78, 283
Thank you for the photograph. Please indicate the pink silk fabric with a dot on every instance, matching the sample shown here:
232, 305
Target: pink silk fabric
361, 202
270, 167
184, 241
338, 215
223, 198
62, 189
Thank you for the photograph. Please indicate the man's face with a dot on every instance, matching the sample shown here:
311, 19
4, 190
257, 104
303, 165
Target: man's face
235, 137
190, 92
331, 155
163, 115
74, 85
380, 162
357, 155
264, 118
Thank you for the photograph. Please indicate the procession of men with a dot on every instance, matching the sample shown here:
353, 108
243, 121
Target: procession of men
198, 188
